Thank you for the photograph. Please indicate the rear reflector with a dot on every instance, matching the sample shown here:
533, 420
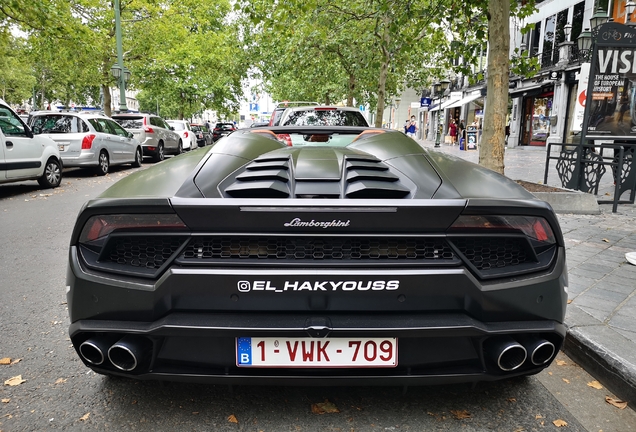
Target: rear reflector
536, 228
87, 142
100, 226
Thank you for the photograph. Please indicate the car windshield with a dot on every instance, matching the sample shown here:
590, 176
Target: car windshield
54, 123
177, 125
317, 140
130, 122
195, 128
325, 118
225, 126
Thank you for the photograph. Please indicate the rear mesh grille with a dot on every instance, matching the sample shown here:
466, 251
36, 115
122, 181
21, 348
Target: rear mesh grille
146, 255
487, 253
323, 248
142, 251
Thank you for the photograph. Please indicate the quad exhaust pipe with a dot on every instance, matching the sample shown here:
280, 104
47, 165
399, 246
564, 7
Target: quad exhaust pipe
507, 353
125, 353
510, 354
541, 350
128, 352
94, 349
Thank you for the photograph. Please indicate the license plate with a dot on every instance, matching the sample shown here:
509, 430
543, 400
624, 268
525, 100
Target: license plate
316, 353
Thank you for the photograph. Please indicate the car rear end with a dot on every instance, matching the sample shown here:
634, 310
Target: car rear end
197, 130
139, 125
318, 266
222, 129
77, 142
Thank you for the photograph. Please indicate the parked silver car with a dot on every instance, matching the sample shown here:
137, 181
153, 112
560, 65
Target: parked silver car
88, 140
24, 156
157, 137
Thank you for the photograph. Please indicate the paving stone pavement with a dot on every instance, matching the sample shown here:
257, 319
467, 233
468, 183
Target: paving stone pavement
601, 315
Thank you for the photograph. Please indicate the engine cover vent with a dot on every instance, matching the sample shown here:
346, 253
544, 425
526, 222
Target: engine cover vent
262, 178
370, 178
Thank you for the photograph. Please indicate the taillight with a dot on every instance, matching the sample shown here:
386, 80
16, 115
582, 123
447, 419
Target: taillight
148, 129
87, 142
285, 139
535, 228
185, 134
100, 226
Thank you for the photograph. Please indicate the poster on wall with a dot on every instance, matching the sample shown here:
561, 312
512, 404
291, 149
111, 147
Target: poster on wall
581, 96
611, 93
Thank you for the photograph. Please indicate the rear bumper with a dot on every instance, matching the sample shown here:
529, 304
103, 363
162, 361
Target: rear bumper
85, 159
432, 348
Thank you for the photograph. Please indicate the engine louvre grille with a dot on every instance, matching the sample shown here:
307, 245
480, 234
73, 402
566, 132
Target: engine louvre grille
370, 178
312, 249
262, 178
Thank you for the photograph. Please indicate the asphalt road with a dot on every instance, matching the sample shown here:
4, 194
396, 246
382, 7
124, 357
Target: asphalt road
60, 393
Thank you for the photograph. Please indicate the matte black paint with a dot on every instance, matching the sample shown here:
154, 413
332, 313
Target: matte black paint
191, 315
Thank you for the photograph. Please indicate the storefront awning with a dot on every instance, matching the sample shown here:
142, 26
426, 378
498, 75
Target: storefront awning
448, 103
434, 107
465, 100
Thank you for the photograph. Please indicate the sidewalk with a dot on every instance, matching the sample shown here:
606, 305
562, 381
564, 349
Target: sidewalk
601, 315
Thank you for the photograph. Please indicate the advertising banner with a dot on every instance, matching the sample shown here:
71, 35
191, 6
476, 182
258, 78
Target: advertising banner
581, 96
610, 104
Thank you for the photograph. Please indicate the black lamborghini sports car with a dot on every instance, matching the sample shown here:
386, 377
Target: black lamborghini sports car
351, 256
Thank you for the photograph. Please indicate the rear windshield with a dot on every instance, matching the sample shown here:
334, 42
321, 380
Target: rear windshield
56, 123
177, 125
225, 126
326, 118
130, 122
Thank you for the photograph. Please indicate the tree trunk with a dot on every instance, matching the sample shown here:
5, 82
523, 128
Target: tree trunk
107, 100
384, 73
351, 89
491, 150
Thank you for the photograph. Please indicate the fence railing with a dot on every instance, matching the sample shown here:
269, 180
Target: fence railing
582, 166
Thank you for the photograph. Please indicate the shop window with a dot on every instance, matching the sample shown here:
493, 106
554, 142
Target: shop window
548, 42
577, 21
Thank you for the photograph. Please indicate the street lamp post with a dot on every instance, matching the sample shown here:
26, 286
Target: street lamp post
440, 87
118, 70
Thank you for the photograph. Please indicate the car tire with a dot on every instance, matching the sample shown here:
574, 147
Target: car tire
138, 158
103, 164
180, 147
52, 176
160, 155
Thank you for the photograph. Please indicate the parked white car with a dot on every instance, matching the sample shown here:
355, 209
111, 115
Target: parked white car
88, 140
188, 137
24, 156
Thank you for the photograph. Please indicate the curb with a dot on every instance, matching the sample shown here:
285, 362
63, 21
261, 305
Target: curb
570, 202
607, 367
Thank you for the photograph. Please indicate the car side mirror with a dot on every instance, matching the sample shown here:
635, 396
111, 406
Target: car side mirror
36, 131
129, 135
171, 128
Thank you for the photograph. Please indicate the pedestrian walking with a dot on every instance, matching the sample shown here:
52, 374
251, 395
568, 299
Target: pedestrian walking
452, 131
412, 128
